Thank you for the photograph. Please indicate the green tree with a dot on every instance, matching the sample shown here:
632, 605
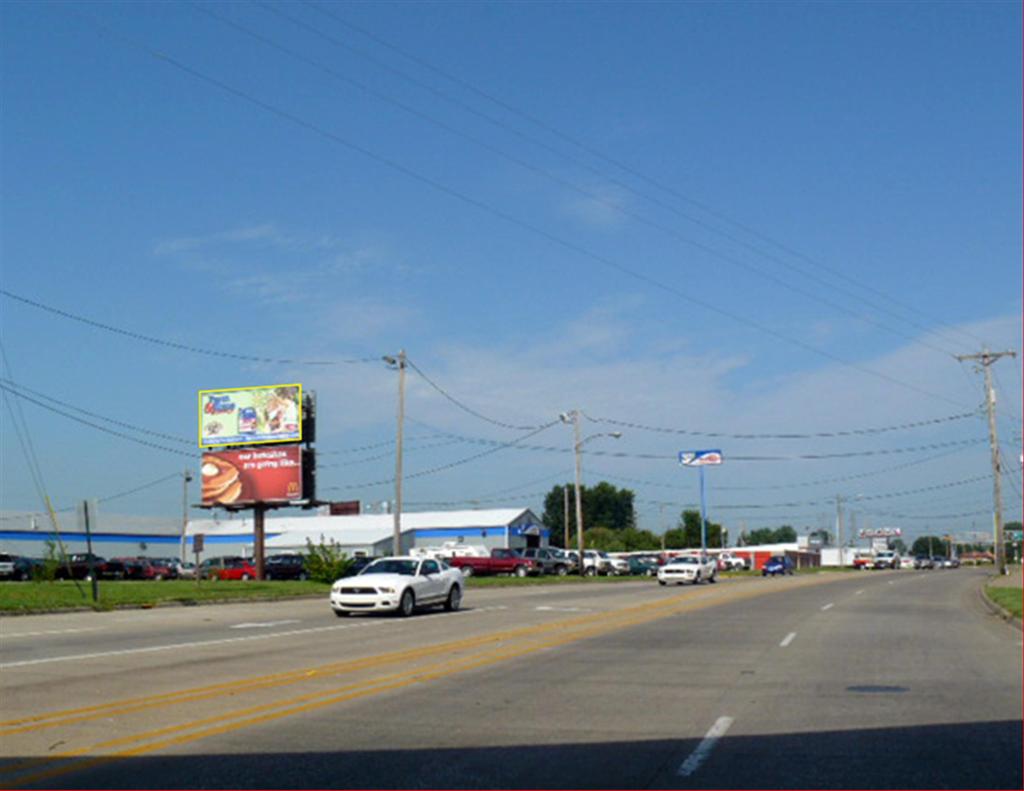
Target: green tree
689, 528
785, 535
928, 545
604, 505
603, 538
634, 540
676, 539
898, 545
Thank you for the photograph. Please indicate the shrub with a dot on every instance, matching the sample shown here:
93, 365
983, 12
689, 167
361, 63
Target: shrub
325, 562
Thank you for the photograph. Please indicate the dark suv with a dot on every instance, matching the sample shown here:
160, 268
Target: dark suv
778, 564
285, 567
549, 560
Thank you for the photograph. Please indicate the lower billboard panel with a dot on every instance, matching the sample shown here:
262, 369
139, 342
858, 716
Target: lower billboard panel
252, 475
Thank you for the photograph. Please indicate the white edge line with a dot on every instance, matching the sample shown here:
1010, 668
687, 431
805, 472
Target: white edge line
707, 744
788, 639
223, 641
828, 606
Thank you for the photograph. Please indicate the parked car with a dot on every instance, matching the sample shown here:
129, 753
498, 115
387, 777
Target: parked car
613, 565
907, 562
938, 562
144, 569
730, 562
550, 560
863, 560
7, 566
186, 570
777, 565
923, 562
500, 561
688, 568
78, 565
227, 568
951, 563
646, 566
359, 562
886, 560
400, 585
285, 567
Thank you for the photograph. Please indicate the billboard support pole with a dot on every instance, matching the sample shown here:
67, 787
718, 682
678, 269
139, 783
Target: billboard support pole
259, 512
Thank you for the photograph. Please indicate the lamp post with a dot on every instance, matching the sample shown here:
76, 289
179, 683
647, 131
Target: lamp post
574, 418
398, 363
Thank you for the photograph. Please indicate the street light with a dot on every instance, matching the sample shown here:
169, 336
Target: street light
398, 363
574, 418
186, 478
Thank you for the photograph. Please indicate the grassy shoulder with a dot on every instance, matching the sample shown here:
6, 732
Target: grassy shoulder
1009, 599
38, 597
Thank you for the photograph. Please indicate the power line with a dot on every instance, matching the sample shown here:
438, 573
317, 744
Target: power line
589, 194
609, 160
450, 465
8, 389
139, 429
138, 336
109, 497
501, 214
814, 435
461, 405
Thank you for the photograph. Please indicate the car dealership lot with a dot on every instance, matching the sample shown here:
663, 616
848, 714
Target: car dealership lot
567, 686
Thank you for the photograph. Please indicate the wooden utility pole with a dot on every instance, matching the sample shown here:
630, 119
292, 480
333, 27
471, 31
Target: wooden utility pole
565, 515
985, 360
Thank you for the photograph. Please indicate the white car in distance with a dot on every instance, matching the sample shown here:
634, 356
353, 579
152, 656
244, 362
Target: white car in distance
688, 568
400, 585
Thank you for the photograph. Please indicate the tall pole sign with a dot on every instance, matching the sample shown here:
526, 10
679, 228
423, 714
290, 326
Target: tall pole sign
701, 459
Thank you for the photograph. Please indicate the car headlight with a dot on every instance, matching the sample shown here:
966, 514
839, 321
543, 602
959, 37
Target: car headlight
385, 590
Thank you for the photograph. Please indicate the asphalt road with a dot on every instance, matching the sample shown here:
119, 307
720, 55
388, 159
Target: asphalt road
869, 680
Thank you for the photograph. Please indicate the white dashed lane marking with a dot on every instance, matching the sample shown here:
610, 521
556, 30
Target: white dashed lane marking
828, 606
707, 744
787, 639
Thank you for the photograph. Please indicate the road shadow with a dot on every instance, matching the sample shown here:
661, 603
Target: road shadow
966, 755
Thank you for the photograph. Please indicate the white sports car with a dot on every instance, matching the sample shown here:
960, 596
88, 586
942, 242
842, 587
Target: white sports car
688, 568
398, 584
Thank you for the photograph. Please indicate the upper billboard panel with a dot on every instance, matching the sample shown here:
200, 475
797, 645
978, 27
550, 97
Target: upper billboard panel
250, 415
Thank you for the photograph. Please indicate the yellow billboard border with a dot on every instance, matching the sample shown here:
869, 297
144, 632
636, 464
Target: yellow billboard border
199, 422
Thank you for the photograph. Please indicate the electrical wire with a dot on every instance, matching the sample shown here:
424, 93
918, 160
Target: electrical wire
122, 424
588, 194
135, 490
448, 466
814, 435
22, 396
460, 404
500, 214
138, 336
618, 164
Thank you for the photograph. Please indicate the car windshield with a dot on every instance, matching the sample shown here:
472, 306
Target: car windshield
406, 567
685, 560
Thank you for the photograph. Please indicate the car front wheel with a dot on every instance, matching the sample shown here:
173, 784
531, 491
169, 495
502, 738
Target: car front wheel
520, 571
406, 604
467, 571
454, 600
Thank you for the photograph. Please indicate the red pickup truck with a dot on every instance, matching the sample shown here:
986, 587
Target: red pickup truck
501, 561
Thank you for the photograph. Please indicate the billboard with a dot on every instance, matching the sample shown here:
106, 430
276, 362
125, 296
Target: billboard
250, 415
252, 475
880, 532
699, 458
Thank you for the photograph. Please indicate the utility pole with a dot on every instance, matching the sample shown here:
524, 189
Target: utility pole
985, 360
575, 415
565, 516
839, 528
398, 363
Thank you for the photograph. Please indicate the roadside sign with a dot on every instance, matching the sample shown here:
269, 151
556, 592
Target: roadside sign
197, 542
1014, 535
699, 458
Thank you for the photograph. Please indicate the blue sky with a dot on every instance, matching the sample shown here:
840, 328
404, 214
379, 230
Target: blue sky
735, 218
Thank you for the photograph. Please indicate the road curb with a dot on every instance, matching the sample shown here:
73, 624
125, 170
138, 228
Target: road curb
995, 609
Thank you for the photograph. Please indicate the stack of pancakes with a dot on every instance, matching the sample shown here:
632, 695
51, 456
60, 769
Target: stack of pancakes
221, 482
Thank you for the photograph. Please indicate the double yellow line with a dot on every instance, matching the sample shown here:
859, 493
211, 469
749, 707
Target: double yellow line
494, 648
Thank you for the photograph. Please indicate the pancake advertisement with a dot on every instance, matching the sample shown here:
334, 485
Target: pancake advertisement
250, 415
252, 475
